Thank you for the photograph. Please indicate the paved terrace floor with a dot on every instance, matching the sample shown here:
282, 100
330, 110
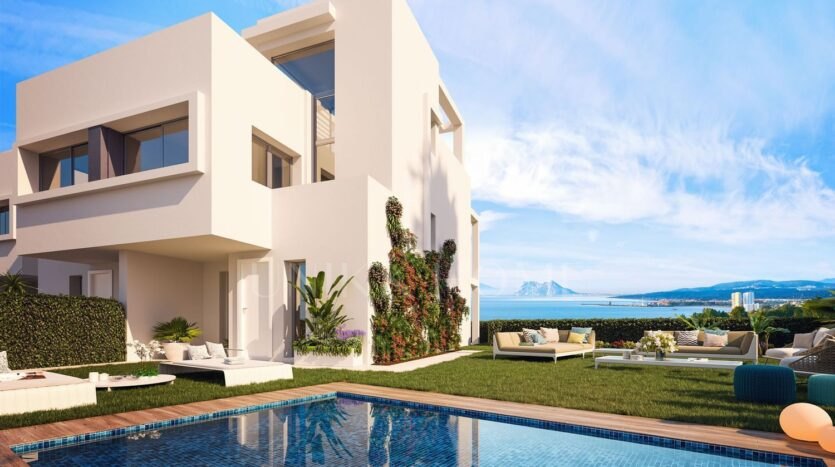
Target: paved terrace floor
748, 439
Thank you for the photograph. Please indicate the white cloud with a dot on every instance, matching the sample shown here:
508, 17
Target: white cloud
699, 182
487, 219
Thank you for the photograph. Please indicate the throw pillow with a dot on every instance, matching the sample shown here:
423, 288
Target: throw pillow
527, 335
821, 336
687, 337
538, 338
4, 363
216, 350
715, 340
551, 335
586, 332
804, 341
198, 352
577, 338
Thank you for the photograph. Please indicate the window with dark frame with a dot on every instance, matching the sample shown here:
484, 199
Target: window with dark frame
5, 220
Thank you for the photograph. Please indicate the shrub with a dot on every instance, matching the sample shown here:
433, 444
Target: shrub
632, 329
176, 330
329, 346
46, 330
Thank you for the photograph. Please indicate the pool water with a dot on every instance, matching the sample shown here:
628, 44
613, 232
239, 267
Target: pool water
346, 431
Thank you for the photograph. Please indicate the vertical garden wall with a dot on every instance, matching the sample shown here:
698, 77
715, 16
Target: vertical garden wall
416, 313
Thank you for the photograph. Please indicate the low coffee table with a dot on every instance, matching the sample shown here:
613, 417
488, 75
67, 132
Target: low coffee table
119, 382
670, 362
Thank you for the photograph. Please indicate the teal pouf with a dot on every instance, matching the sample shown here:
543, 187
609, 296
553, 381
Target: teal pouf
822, 389
767, 384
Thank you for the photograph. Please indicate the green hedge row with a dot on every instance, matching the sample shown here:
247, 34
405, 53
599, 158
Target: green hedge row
41, 331
631, 329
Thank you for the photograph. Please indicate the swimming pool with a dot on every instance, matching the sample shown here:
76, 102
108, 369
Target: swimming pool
346, 429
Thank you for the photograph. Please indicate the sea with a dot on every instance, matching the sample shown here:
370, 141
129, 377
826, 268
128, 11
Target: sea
576, 307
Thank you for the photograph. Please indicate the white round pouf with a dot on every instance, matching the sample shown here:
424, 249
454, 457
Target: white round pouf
804, 421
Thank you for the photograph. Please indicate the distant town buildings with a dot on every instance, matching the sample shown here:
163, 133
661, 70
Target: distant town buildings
745, 300
736, 299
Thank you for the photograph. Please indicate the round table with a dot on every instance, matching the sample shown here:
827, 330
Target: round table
133, 381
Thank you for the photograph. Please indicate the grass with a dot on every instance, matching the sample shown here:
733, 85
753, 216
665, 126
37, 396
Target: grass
689, 395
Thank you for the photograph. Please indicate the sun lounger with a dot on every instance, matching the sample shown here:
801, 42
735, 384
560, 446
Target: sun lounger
54, 391
236, 374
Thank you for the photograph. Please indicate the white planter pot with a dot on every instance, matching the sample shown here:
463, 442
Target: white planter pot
328, 361
175, 351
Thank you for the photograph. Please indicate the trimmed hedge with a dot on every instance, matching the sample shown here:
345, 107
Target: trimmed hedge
632, 329
41, 330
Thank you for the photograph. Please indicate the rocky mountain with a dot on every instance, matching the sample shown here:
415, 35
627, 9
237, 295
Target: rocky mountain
543, 289
797, 289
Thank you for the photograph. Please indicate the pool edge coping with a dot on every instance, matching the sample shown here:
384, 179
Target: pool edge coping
726, 450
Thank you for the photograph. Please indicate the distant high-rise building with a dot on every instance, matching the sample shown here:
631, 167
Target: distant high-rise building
748, 301
736, 299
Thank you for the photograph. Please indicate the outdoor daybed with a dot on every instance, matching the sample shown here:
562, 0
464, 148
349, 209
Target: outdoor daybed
54, 391
246, 372
509, 343
742, 345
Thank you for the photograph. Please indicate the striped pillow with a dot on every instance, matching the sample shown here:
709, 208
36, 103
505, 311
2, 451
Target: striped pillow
4, 363
687, 337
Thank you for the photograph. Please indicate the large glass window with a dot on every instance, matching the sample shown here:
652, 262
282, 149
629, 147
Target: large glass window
64, 167
5, 220
158, 146
313, 68
270, 166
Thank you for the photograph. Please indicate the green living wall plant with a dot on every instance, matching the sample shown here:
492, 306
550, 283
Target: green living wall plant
416, 313
40, 330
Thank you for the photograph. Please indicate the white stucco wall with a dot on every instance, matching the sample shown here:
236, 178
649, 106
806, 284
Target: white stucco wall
157, 288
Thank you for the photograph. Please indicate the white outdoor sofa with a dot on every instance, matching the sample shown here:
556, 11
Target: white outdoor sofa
742, 346
509, 344
55, 391
248, 372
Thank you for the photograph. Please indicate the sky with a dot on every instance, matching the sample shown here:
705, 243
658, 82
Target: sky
613, 146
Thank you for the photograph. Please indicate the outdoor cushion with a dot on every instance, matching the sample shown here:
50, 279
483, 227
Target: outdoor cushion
506, 340
822, 389
576, 338
715, 340
551, 335
567, 347
783, 352
4, 363
586, 332
543, 349
821, 336
698, 349
198, 352
527, 334
687, 337
216, 350
804, 341
788, 361
538, 338
768, 384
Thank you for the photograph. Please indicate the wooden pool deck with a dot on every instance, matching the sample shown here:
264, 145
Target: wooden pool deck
749, 439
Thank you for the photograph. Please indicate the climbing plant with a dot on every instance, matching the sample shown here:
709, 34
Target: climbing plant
416, 313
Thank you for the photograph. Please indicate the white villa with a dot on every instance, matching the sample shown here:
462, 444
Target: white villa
198, 172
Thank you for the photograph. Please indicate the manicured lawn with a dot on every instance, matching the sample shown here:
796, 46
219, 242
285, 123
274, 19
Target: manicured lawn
690, 395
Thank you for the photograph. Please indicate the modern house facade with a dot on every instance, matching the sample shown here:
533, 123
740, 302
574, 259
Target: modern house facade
199, 172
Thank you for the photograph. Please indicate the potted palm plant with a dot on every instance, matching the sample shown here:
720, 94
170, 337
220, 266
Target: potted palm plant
175, 336
762, 326
326, 343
